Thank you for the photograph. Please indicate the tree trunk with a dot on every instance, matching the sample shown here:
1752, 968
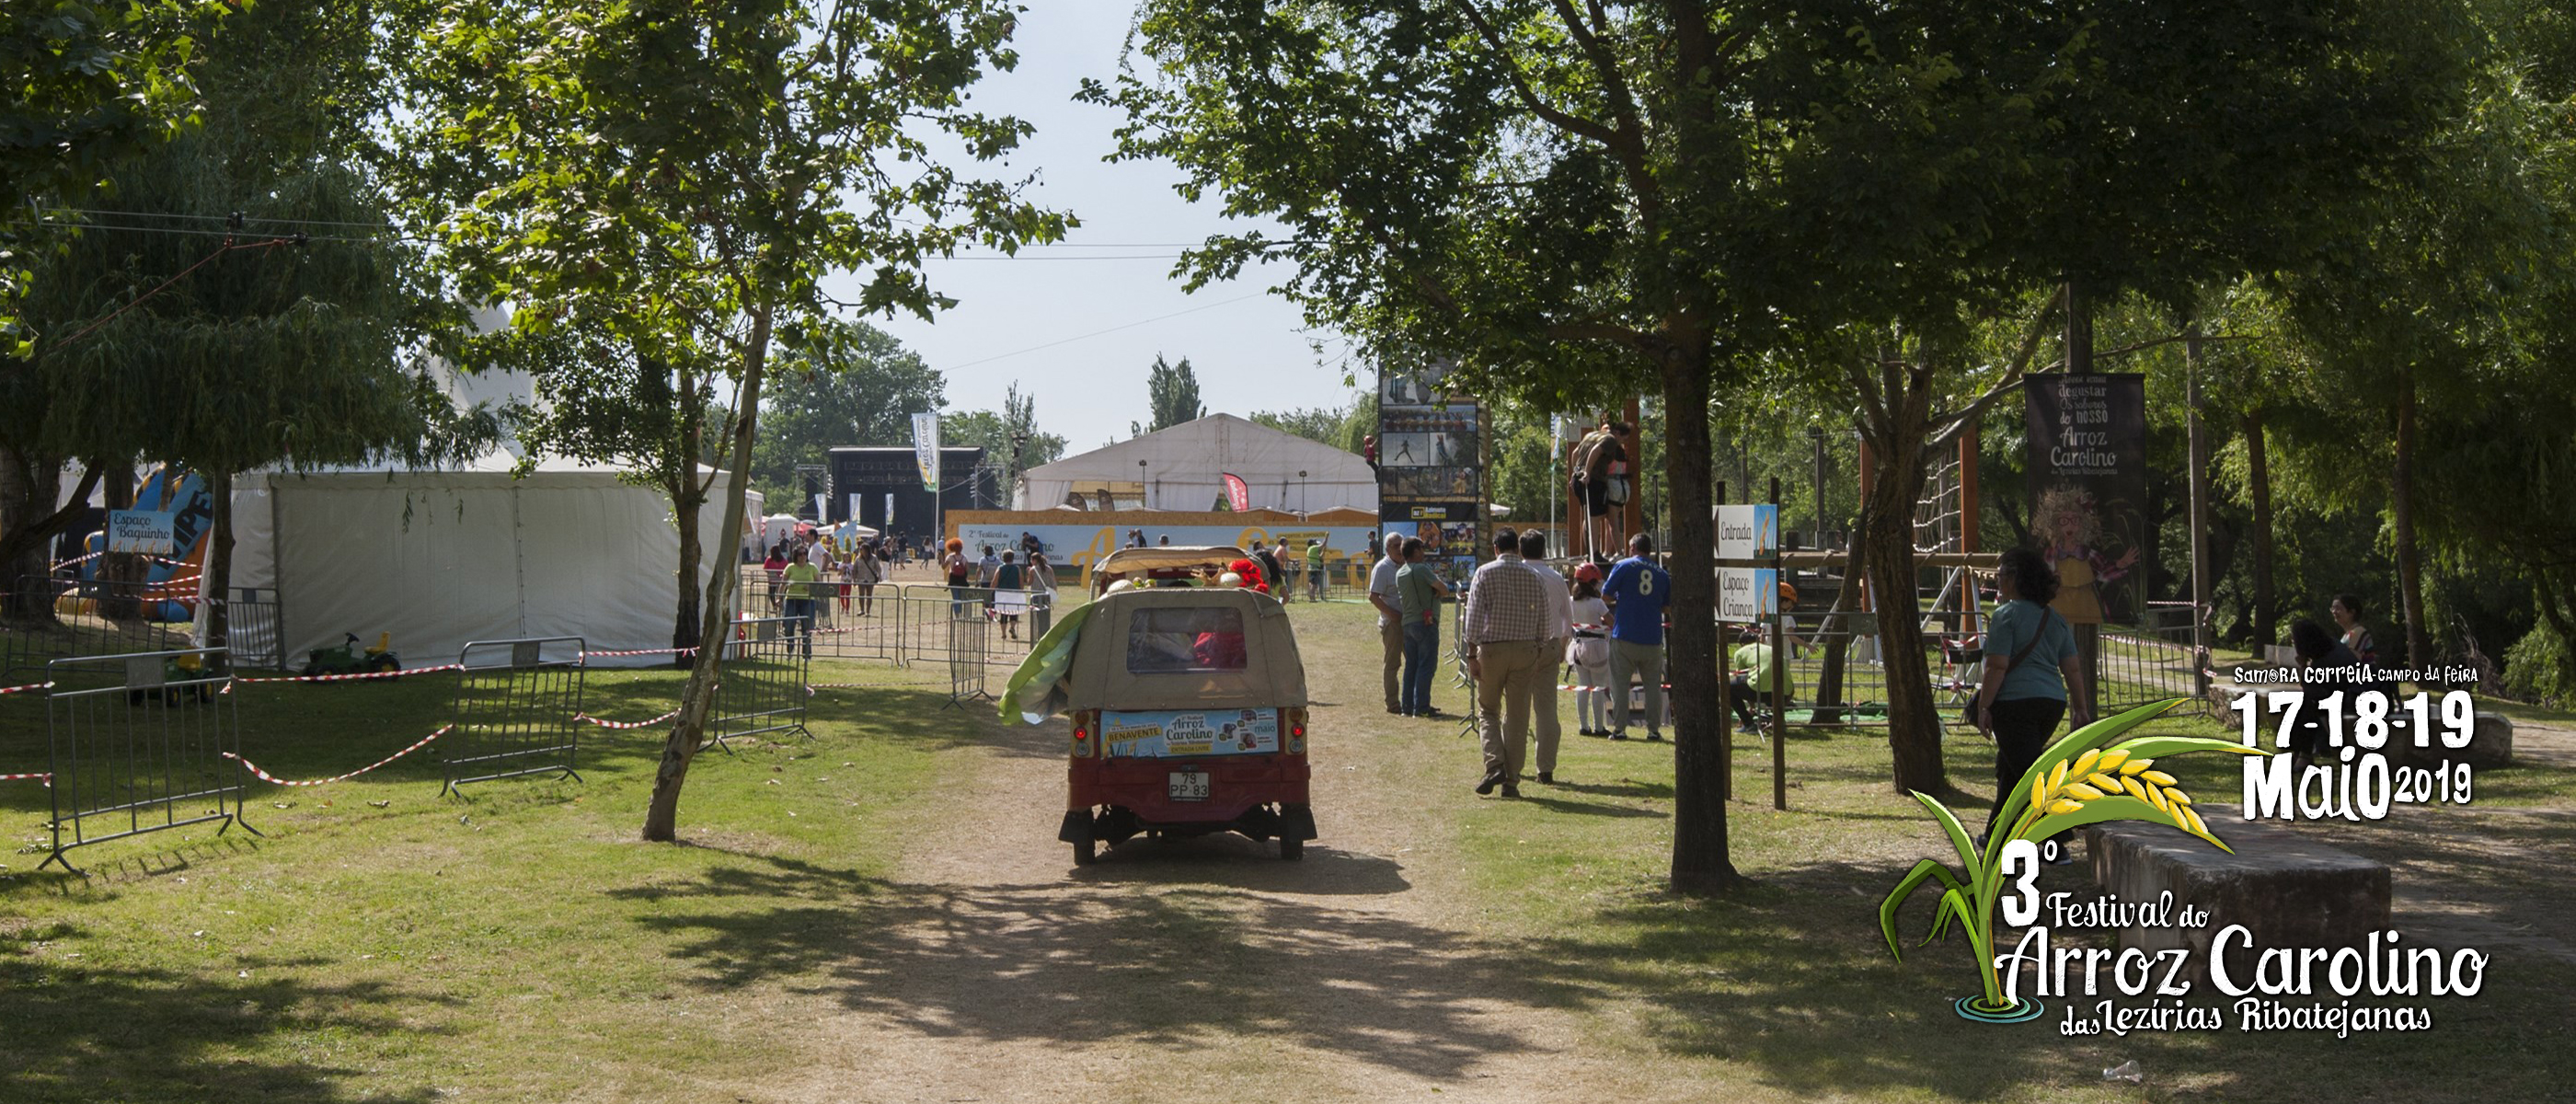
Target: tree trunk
661, 817
2401, 505
120, 600
688, 504
1700, 742
1887, 553
217, 586
2258, 479
28, 520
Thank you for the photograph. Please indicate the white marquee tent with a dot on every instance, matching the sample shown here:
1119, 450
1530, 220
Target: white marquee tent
440, 558
1183, 468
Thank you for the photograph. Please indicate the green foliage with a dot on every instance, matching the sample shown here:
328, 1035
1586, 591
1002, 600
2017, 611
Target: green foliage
169, 339
2540, 668
1009, 438
852, 385
90, 83
1171, 394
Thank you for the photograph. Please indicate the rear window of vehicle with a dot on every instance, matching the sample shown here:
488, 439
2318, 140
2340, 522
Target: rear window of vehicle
1178, 639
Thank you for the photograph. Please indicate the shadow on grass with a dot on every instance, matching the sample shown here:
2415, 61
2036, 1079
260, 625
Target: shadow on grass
1531, 796
81, 1033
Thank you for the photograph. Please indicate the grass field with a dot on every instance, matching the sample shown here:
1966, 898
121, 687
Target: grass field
517, 943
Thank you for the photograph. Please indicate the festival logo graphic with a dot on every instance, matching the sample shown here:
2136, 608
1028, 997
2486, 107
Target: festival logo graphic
2085, 778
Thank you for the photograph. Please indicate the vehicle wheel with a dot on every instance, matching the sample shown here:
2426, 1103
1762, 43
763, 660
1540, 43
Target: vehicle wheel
1086, 852
1291, 849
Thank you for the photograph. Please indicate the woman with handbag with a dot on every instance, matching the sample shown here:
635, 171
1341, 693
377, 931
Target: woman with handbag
2033, 678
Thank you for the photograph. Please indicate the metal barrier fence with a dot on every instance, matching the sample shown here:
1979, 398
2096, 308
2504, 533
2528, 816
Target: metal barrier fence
761, 680
81, 606
142, 743
518, 709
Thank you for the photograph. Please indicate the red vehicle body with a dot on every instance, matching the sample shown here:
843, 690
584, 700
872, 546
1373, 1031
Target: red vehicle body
1187, 715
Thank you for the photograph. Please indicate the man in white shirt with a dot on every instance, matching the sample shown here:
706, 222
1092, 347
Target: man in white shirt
1544, 729
1390, 617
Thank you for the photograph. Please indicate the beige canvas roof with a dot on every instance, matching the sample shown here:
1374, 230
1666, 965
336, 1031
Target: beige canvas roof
1137, 561
1273, 673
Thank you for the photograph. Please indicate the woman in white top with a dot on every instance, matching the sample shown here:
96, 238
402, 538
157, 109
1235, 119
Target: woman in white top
1589, 652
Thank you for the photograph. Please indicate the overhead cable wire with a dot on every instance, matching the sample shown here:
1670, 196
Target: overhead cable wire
1110, 330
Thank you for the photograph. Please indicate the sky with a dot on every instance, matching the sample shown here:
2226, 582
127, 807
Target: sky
1251, 350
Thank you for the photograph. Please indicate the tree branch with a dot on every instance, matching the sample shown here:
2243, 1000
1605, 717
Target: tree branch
1561, 119
1954, 424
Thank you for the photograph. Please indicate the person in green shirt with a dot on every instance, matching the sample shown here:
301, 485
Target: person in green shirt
802, 579
1418, 592
1754, 669
1315, 570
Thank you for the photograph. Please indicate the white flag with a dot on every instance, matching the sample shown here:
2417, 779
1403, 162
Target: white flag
925, 449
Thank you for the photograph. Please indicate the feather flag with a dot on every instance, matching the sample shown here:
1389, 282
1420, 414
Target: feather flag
1236, 493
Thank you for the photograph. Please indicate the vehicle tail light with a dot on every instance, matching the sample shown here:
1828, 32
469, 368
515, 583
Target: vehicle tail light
1293, 719
1084, 721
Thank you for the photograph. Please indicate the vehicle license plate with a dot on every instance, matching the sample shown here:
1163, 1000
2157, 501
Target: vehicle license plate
1189, 785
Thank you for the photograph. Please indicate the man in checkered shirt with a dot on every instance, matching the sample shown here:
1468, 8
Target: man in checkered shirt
1508, 618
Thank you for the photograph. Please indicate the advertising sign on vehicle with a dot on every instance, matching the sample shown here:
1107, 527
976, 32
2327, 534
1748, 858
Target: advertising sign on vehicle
1171, 734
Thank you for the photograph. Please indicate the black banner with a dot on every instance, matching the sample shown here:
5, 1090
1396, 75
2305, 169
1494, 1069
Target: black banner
2088, 489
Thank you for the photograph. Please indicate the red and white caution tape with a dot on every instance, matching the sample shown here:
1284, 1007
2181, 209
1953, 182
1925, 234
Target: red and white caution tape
77, 560
47, 779
359, 674
644, 652
264, 776
604, 723
28, 687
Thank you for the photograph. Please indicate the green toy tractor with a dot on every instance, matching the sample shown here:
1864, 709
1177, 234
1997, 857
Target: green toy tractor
348, 659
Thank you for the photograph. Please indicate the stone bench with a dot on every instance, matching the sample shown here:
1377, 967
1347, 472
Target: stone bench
2288, 890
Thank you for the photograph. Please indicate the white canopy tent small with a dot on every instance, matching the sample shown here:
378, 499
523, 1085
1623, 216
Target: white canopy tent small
440, 558
1184, 468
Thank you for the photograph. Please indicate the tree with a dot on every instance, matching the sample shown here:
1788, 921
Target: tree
1172, 393
685, 176
168, 336
1009, 438
1576, 200
861, 387
1322, 425
89, 85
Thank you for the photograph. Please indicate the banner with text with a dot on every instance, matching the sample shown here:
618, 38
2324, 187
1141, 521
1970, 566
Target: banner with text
1748, 532
925, 448
1747, 593
2088, 487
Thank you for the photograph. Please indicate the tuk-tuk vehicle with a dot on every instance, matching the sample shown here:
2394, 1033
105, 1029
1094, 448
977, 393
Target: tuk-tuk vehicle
1165, 565
1186, 715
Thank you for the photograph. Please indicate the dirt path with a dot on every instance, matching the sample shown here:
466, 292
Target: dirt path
1175, 968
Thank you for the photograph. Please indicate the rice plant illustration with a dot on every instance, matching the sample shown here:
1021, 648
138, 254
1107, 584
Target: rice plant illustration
2084, 778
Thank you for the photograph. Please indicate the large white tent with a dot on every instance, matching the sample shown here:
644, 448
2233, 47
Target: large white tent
440, 558
1183, 468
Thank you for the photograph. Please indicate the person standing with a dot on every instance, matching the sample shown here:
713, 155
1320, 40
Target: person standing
1505, 626
1390, 619
1041, 595
1315, 570
802, 579
1589, 652
1638, 592
1419, 591
2034, 676
1545, 728
1007, 578
959, 569
865, 572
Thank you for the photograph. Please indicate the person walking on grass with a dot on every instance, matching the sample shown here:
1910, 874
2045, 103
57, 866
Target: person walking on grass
1008, 577
1638, 593
1545, 728
802, 579
1419, 591
1390, 620
1506, 626
1589, 652
2033, 677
